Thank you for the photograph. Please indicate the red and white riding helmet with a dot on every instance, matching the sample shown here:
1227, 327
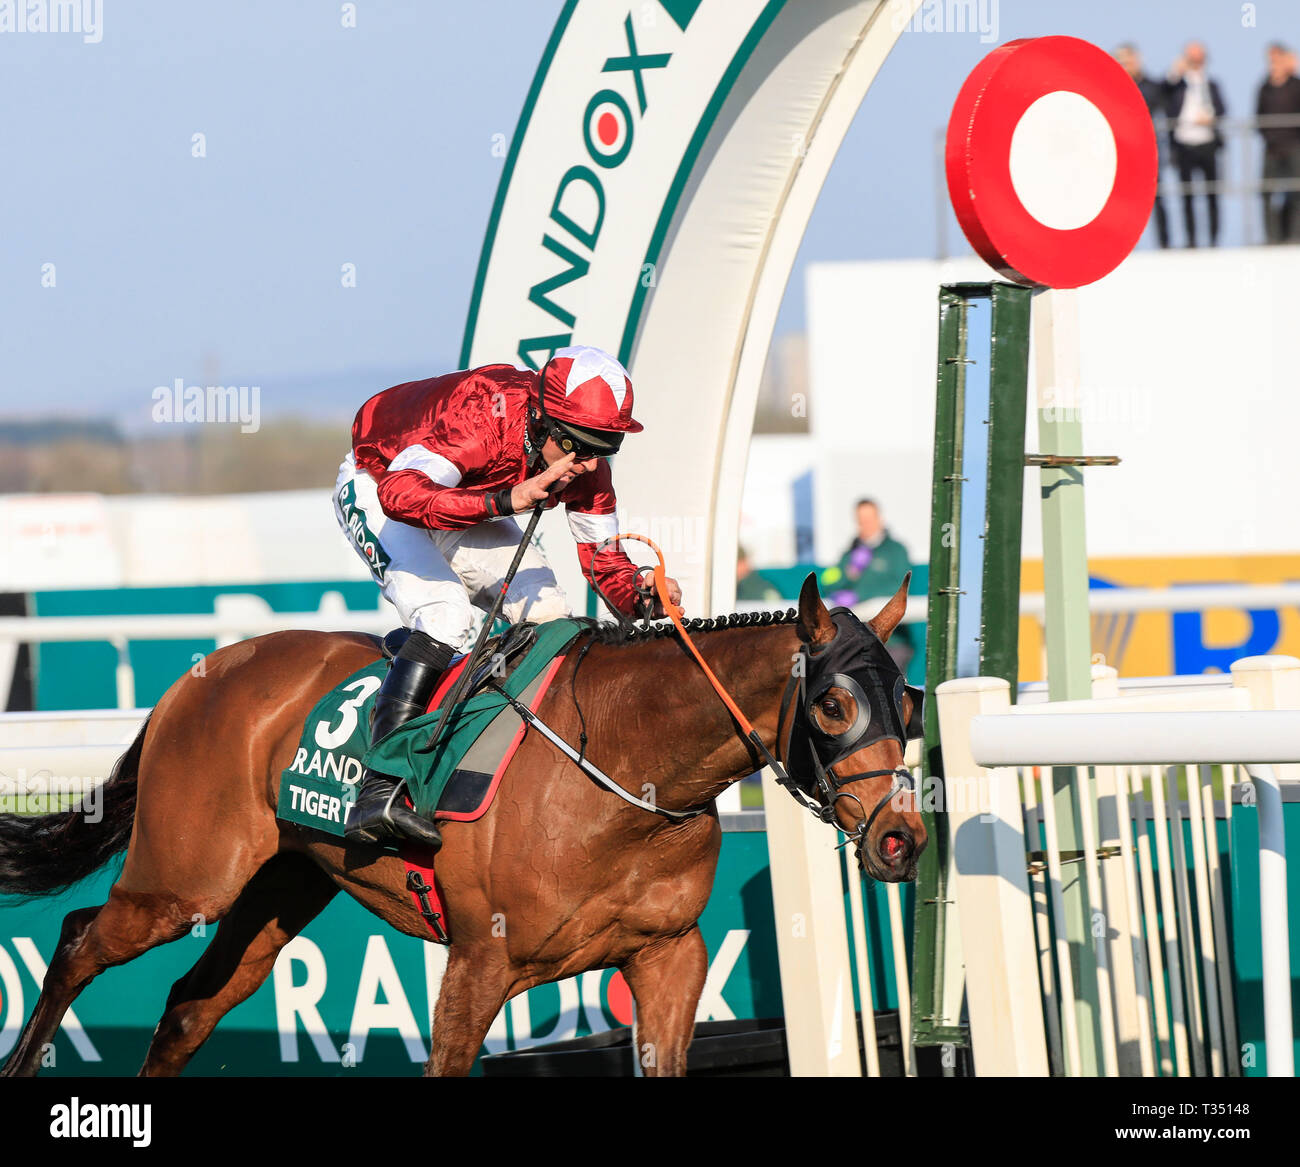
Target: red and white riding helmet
587, 389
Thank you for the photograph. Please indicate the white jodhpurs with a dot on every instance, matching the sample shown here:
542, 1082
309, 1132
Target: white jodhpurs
435, 578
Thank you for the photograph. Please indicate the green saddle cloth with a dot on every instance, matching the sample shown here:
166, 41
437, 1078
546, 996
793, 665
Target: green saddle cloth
402, 753
320, 785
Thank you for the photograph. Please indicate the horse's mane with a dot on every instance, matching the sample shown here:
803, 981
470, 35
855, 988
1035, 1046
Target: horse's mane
607, 632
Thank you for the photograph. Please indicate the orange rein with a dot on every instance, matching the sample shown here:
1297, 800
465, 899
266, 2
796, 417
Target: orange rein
674, 613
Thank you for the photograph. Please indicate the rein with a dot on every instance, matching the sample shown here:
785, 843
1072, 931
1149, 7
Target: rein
826, 782
586, 765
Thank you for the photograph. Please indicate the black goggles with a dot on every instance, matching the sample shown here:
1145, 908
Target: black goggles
582, 443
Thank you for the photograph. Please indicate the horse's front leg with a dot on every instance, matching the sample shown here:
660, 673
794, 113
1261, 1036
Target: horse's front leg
666, 977
473, 989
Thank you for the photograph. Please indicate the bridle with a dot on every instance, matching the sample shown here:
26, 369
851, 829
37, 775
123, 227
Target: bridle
854, 648
824, 750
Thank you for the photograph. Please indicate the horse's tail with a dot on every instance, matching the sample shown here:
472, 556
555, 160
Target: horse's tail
45, 854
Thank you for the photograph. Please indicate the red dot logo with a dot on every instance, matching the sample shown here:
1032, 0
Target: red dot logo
619, 999
607, 128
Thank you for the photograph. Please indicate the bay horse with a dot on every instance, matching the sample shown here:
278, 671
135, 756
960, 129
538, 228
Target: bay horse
559, 877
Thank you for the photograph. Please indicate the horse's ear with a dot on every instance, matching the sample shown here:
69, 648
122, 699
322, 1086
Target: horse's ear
888, 618
815, 627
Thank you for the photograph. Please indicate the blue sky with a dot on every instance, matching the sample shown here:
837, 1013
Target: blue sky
372, 146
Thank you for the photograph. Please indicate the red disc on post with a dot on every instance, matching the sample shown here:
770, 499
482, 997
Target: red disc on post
1051, 161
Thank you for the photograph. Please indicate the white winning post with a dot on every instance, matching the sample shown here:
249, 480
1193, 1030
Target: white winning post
992, 886
1051, 164
812, 939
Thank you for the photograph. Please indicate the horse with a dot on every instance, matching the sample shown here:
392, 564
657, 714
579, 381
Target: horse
558, 878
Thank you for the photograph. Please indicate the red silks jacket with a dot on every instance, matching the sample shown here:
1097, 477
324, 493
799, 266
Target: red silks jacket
439, 449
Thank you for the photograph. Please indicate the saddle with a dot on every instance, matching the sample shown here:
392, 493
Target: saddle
456, 776
501, 654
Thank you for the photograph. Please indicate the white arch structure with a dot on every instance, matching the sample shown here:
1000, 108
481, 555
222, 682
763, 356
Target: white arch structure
666, 164
655, 192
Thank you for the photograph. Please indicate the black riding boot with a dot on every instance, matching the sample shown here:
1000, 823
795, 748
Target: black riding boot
411, 680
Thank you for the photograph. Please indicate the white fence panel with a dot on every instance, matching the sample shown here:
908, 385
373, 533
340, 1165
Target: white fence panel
1194, 1028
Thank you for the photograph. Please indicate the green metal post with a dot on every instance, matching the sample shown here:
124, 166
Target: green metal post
1008, 401
929, 1026
999, 584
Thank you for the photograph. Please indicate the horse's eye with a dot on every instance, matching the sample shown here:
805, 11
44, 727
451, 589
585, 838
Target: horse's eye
831, 707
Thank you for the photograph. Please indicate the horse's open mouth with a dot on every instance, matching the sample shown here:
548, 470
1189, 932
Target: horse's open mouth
892, 860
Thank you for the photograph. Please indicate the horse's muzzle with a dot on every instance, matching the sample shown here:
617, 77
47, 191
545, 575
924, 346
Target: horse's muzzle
893, 859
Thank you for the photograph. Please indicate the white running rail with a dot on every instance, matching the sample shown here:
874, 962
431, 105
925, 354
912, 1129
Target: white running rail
237, 618
240, 615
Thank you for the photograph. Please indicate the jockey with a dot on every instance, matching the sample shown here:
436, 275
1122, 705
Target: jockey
425, 496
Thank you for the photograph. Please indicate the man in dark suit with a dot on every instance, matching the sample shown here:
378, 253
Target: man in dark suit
1194, 107
1155, 92
1279, 97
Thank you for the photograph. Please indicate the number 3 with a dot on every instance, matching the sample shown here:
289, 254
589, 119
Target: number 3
331, 739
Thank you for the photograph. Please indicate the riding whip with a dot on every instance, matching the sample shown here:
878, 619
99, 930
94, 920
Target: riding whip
462, 681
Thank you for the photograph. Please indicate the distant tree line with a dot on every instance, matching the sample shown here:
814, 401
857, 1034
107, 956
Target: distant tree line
70, 456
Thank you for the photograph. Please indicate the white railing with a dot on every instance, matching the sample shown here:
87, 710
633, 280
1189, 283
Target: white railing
60, 756
1164, 916
240, 616
813, 940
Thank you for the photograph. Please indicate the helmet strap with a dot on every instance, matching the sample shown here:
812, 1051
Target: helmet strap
535, 439
541, 397
532, 442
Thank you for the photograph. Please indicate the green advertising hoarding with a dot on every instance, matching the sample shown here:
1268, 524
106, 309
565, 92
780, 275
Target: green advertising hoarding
351, 996
1244, 927
82, 674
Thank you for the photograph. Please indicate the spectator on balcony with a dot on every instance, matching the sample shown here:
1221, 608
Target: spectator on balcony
1155, 92
1195, 106
1279, 95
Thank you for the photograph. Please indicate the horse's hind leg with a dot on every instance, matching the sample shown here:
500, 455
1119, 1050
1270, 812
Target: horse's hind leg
93, 939
666, 978
279, 901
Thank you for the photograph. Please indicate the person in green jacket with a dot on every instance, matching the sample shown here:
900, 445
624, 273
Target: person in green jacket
873, 566
750, 585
